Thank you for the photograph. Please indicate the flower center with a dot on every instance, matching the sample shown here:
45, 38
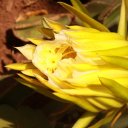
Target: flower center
47, 56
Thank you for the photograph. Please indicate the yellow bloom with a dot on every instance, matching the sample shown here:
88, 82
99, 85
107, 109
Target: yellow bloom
85, 66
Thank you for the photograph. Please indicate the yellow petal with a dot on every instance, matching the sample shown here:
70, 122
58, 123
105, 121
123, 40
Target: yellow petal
123, 81
83, 67
98, 104
47, 84
35, 41
31, 80
59, 82
91, 77
122, 28
113, 73
116, 60
84, 120
119, 51
111, 102
31, 72
84, 79
56, 26
82, 29
117, 89
20, 66
89, 33
97, 91
94, 45
27, 50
